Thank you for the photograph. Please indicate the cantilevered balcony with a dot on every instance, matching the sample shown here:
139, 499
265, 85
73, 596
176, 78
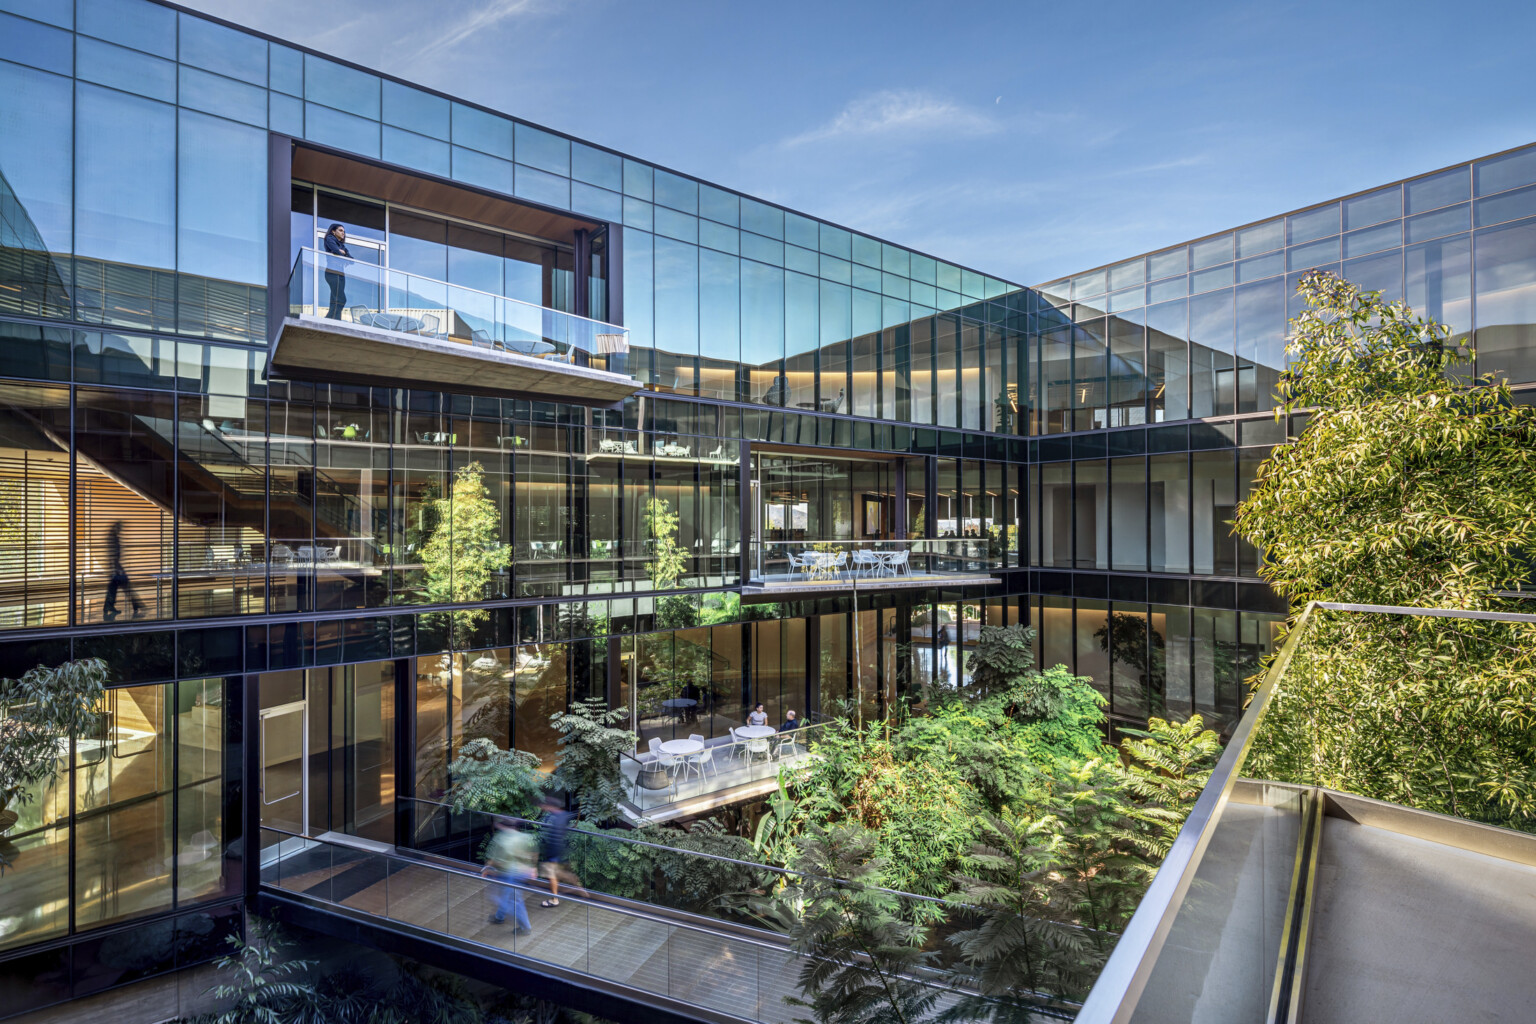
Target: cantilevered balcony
353, 322
781, 569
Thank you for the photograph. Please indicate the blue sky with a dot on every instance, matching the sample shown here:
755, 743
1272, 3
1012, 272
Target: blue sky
1026, 140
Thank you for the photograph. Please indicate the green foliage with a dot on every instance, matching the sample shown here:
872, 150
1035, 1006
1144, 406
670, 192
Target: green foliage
1438, 714
1407, 487
587, 766
39, 712
487, 778
1025, 941
777, 829
1164, 770
464, 551
669, 560
264, 986
862, 951
1002, 656
1074, 731
919, 810
702, 883
1411, 485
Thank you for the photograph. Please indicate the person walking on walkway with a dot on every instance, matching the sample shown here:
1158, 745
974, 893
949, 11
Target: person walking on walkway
511, 857
119, 579
336, 268
553, 837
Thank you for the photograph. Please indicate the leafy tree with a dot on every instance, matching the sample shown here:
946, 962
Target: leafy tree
669, 560
1408, 486
1097, 880
1023, 941
464, 551
264, 986
39, 712
1003, 655
488, 778
862, 954
1164, 770
1412, 484
587, 766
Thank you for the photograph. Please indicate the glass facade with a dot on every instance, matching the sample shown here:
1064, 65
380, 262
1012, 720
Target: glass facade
312, 594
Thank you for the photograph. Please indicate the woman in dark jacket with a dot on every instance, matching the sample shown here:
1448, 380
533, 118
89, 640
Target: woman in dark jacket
336, 268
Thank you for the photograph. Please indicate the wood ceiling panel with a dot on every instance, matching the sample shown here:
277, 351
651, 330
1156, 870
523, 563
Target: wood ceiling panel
428, 194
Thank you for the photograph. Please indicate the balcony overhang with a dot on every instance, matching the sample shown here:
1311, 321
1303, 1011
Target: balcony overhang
787, 588
346, 352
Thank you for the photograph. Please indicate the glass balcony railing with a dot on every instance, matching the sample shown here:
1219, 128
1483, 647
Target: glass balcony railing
881, 563
1369, 719
327, 287
641, 941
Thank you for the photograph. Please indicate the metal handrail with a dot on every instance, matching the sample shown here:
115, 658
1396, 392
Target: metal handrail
751, 865
942, 980
1114, 996
467, 873
1120, 983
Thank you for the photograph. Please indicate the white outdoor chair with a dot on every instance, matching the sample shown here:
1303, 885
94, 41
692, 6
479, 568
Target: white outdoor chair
705, 758
865, 562
898, 564
758, 745
668, 761
790, 741
800, 564
738, 746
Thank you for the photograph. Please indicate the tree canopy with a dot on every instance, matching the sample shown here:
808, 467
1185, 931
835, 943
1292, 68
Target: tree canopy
1411, 485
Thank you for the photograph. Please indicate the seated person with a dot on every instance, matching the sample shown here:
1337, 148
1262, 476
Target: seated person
758, 716
791, 723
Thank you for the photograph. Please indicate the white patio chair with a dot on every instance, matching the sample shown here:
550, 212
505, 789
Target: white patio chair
865, 563
706, 758
738, 746
758, 745
800, 564
668, 761
898, 564
789, 741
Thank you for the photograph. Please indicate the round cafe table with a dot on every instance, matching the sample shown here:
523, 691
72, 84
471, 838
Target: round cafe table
679, 703
682, 748
757, 732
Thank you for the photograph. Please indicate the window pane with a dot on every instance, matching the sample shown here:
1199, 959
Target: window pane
35, 148
1504, 270
222, 199
125, 172
542, 150
341, 87
1437, 281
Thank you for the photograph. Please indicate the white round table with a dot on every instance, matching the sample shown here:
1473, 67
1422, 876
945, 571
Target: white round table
751, 732
682, 748
678, 703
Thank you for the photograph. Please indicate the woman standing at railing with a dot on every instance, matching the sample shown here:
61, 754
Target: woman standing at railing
336, 268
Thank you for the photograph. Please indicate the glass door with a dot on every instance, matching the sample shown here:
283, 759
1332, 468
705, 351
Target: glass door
284, 757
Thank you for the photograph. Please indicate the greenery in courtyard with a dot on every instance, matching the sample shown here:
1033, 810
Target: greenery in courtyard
1413, 484
39, 712
262, 981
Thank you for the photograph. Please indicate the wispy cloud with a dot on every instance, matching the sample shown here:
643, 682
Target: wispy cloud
479, 18
898, 113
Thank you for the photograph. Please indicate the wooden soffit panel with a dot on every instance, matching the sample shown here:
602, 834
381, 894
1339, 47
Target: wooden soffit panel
429, 194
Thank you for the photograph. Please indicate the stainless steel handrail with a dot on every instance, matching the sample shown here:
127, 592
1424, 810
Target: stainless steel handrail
1125, 974
1120, 984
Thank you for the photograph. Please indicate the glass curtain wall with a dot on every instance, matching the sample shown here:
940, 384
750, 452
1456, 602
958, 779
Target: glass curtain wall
141, 817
